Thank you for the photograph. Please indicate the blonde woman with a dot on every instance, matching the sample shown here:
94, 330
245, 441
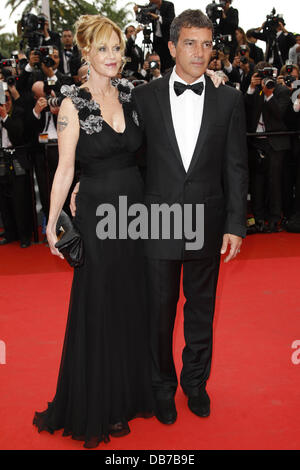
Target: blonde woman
104, 378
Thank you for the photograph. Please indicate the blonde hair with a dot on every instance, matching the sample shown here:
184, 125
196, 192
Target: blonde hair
95, 30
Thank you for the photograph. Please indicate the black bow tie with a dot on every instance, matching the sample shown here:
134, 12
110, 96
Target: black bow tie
181, 87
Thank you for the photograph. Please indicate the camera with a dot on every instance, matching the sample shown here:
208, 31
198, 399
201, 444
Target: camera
214, 10
244, 60
289, 80
44, 53
272, 23
55, 101
9, 79
9, 63
289, 67
147, 35
268, 75
31, 23
143, 16
153, 65
49, 85
31, 28
243, 49
221, 43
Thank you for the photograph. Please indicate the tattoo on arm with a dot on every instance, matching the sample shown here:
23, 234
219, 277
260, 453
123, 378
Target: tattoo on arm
62, 123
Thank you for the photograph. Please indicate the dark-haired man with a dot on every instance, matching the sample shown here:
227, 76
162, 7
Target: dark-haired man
198, 156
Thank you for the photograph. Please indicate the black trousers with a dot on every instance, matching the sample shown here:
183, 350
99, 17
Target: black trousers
199, 285
16, 206
45, 165
266, 181
291, 179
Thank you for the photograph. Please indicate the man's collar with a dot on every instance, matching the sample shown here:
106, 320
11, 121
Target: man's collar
175, 77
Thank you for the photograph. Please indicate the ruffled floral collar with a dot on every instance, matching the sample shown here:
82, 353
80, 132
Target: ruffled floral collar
90, 116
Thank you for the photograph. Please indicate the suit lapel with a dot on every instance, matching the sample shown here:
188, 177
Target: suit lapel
163, 95
208, 118
209, 114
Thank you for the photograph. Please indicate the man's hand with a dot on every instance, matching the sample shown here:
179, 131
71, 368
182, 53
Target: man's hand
48, 71
282, 27
73, 199
14, 92
34, 59
146, 65
40, 105
3, 112
255, 81
235, 243
154, 16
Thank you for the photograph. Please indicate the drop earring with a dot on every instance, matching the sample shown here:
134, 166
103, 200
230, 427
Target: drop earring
89, 69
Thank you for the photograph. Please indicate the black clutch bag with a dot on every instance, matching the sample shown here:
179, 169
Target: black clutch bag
70, 245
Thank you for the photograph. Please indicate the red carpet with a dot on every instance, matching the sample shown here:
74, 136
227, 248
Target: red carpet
254, 385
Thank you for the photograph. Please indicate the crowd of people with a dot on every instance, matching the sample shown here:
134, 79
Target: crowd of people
30, 98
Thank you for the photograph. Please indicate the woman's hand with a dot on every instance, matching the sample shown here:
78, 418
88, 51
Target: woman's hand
52, 240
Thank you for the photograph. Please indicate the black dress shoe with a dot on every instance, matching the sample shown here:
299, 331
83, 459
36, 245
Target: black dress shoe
25, 243
4, 241
200, 404
273, 227
2, 233
260, 226
166, 411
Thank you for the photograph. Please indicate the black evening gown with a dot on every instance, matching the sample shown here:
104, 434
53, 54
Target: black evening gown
104, 378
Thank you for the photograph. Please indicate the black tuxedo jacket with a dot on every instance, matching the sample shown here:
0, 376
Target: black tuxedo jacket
14, 125
218, 173
273, 111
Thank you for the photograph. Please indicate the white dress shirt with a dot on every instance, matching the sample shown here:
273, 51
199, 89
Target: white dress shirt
6, 143
187, 112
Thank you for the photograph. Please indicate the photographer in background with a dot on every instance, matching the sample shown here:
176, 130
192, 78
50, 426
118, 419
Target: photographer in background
257, 53
288, 77
152, 67
42, 63
220, 63
293, 222
294, 52
278, 39
70, 58
244, 67
161, 19
42, 121
133, 53
266, 106
49, 37
15, 192
229, 22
